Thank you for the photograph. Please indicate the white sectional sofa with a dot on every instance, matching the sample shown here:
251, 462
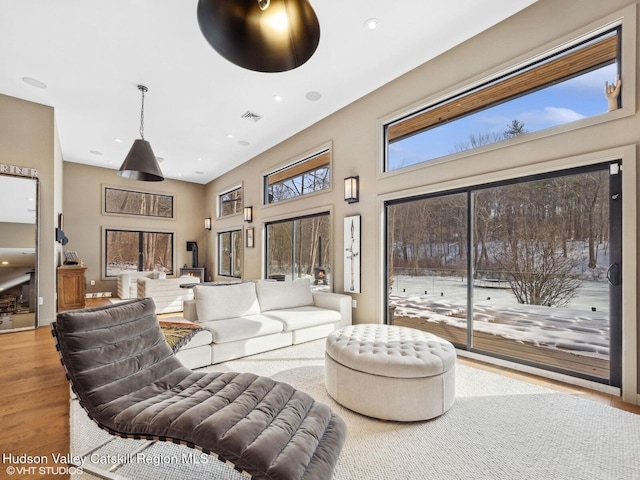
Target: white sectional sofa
252, 317
128, 283
166, 292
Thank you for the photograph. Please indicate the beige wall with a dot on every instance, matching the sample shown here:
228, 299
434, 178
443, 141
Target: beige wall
83, 220
356, 145
28, 139
17, 235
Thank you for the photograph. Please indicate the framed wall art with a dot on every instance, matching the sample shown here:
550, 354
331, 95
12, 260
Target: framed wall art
352, 254
249, 237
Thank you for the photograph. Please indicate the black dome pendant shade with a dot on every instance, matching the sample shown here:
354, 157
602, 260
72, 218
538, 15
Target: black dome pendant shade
141, 163
261, 35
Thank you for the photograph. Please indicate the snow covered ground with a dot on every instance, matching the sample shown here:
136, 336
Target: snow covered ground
582, 327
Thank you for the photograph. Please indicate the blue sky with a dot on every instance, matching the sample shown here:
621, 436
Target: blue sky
562, 103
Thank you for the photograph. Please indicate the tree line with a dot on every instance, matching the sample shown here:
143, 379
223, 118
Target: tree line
529, 234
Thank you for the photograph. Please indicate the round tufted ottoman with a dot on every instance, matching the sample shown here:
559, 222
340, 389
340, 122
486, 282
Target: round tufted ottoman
390, 372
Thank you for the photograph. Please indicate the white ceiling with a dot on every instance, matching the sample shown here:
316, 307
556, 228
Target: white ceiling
91, 54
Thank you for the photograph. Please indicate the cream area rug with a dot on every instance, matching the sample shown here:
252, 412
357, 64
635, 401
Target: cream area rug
498, 428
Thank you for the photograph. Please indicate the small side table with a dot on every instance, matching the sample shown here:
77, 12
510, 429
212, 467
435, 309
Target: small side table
71, 287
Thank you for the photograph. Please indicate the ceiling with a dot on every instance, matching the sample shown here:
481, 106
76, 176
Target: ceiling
91, 54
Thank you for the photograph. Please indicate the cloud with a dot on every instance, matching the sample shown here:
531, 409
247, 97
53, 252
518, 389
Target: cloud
550, 116
592, 80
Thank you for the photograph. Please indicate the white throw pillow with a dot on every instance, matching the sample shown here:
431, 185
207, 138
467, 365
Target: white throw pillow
281, 295
218, 302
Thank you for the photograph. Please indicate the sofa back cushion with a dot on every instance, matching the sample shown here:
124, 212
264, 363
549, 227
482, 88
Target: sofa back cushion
218, 302
281, 295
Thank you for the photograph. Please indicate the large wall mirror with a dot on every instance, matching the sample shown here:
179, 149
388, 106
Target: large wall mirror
18, 253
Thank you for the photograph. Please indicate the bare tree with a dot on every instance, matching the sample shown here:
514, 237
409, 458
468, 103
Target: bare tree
532, 247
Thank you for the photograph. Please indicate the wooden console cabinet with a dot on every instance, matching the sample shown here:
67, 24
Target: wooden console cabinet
70, 287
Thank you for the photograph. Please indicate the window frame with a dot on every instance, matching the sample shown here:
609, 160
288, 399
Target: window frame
233, 254
107, 188
238, 202
623, 21
285, 219
105, 250
295, 169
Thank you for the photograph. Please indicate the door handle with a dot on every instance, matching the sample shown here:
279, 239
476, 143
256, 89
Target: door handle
613, 275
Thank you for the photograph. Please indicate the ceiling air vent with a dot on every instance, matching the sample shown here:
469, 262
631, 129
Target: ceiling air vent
249, 115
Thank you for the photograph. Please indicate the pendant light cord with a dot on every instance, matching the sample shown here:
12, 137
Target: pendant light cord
143, 89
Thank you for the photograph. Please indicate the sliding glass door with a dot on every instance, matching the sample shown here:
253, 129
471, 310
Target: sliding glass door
428, 259
527, 270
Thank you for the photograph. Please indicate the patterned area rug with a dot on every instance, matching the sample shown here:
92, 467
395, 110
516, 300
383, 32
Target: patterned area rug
178, 334
499, 428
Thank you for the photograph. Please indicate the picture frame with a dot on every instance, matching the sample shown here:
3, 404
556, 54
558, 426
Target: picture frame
352, 254
249, 237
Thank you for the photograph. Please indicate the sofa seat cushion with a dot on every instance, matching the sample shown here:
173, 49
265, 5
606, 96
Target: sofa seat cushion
304, 317
241, 328
281, 295
221, 302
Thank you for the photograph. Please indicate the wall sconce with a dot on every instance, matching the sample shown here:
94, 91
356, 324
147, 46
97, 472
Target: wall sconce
207, 223
248, 214
351, 189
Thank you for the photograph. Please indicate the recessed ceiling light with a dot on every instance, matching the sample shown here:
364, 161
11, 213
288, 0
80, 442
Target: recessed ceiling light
313, 96
198, 172
34, 82
371, 24
95, 152
229, 135
277, 98
119, 140
199, 159
244, 143
179, 174
160, 159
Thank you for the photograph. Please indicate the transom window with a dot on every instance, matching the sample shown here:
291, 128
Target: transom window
127, 202
230, 202
230, 253
559, 88
309, 175
137, 251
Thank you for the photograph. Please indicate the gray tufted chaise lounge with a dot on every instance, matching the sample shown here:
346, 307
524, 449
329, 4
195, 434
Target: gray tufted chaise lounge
130, 383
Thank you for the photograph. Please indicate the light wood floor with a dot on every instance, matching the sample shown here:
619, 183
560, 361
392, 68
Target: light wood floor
34, 397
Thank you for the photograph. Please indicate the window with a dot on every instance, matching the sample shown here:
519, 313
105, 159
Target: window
300, 248
127, 202
306, 176
230, 253
556, 89
230, 202
137, 251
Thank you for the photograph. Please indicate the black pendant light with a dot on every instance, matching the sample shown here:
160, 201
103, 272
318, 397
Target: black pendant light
261, 35
141, 163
